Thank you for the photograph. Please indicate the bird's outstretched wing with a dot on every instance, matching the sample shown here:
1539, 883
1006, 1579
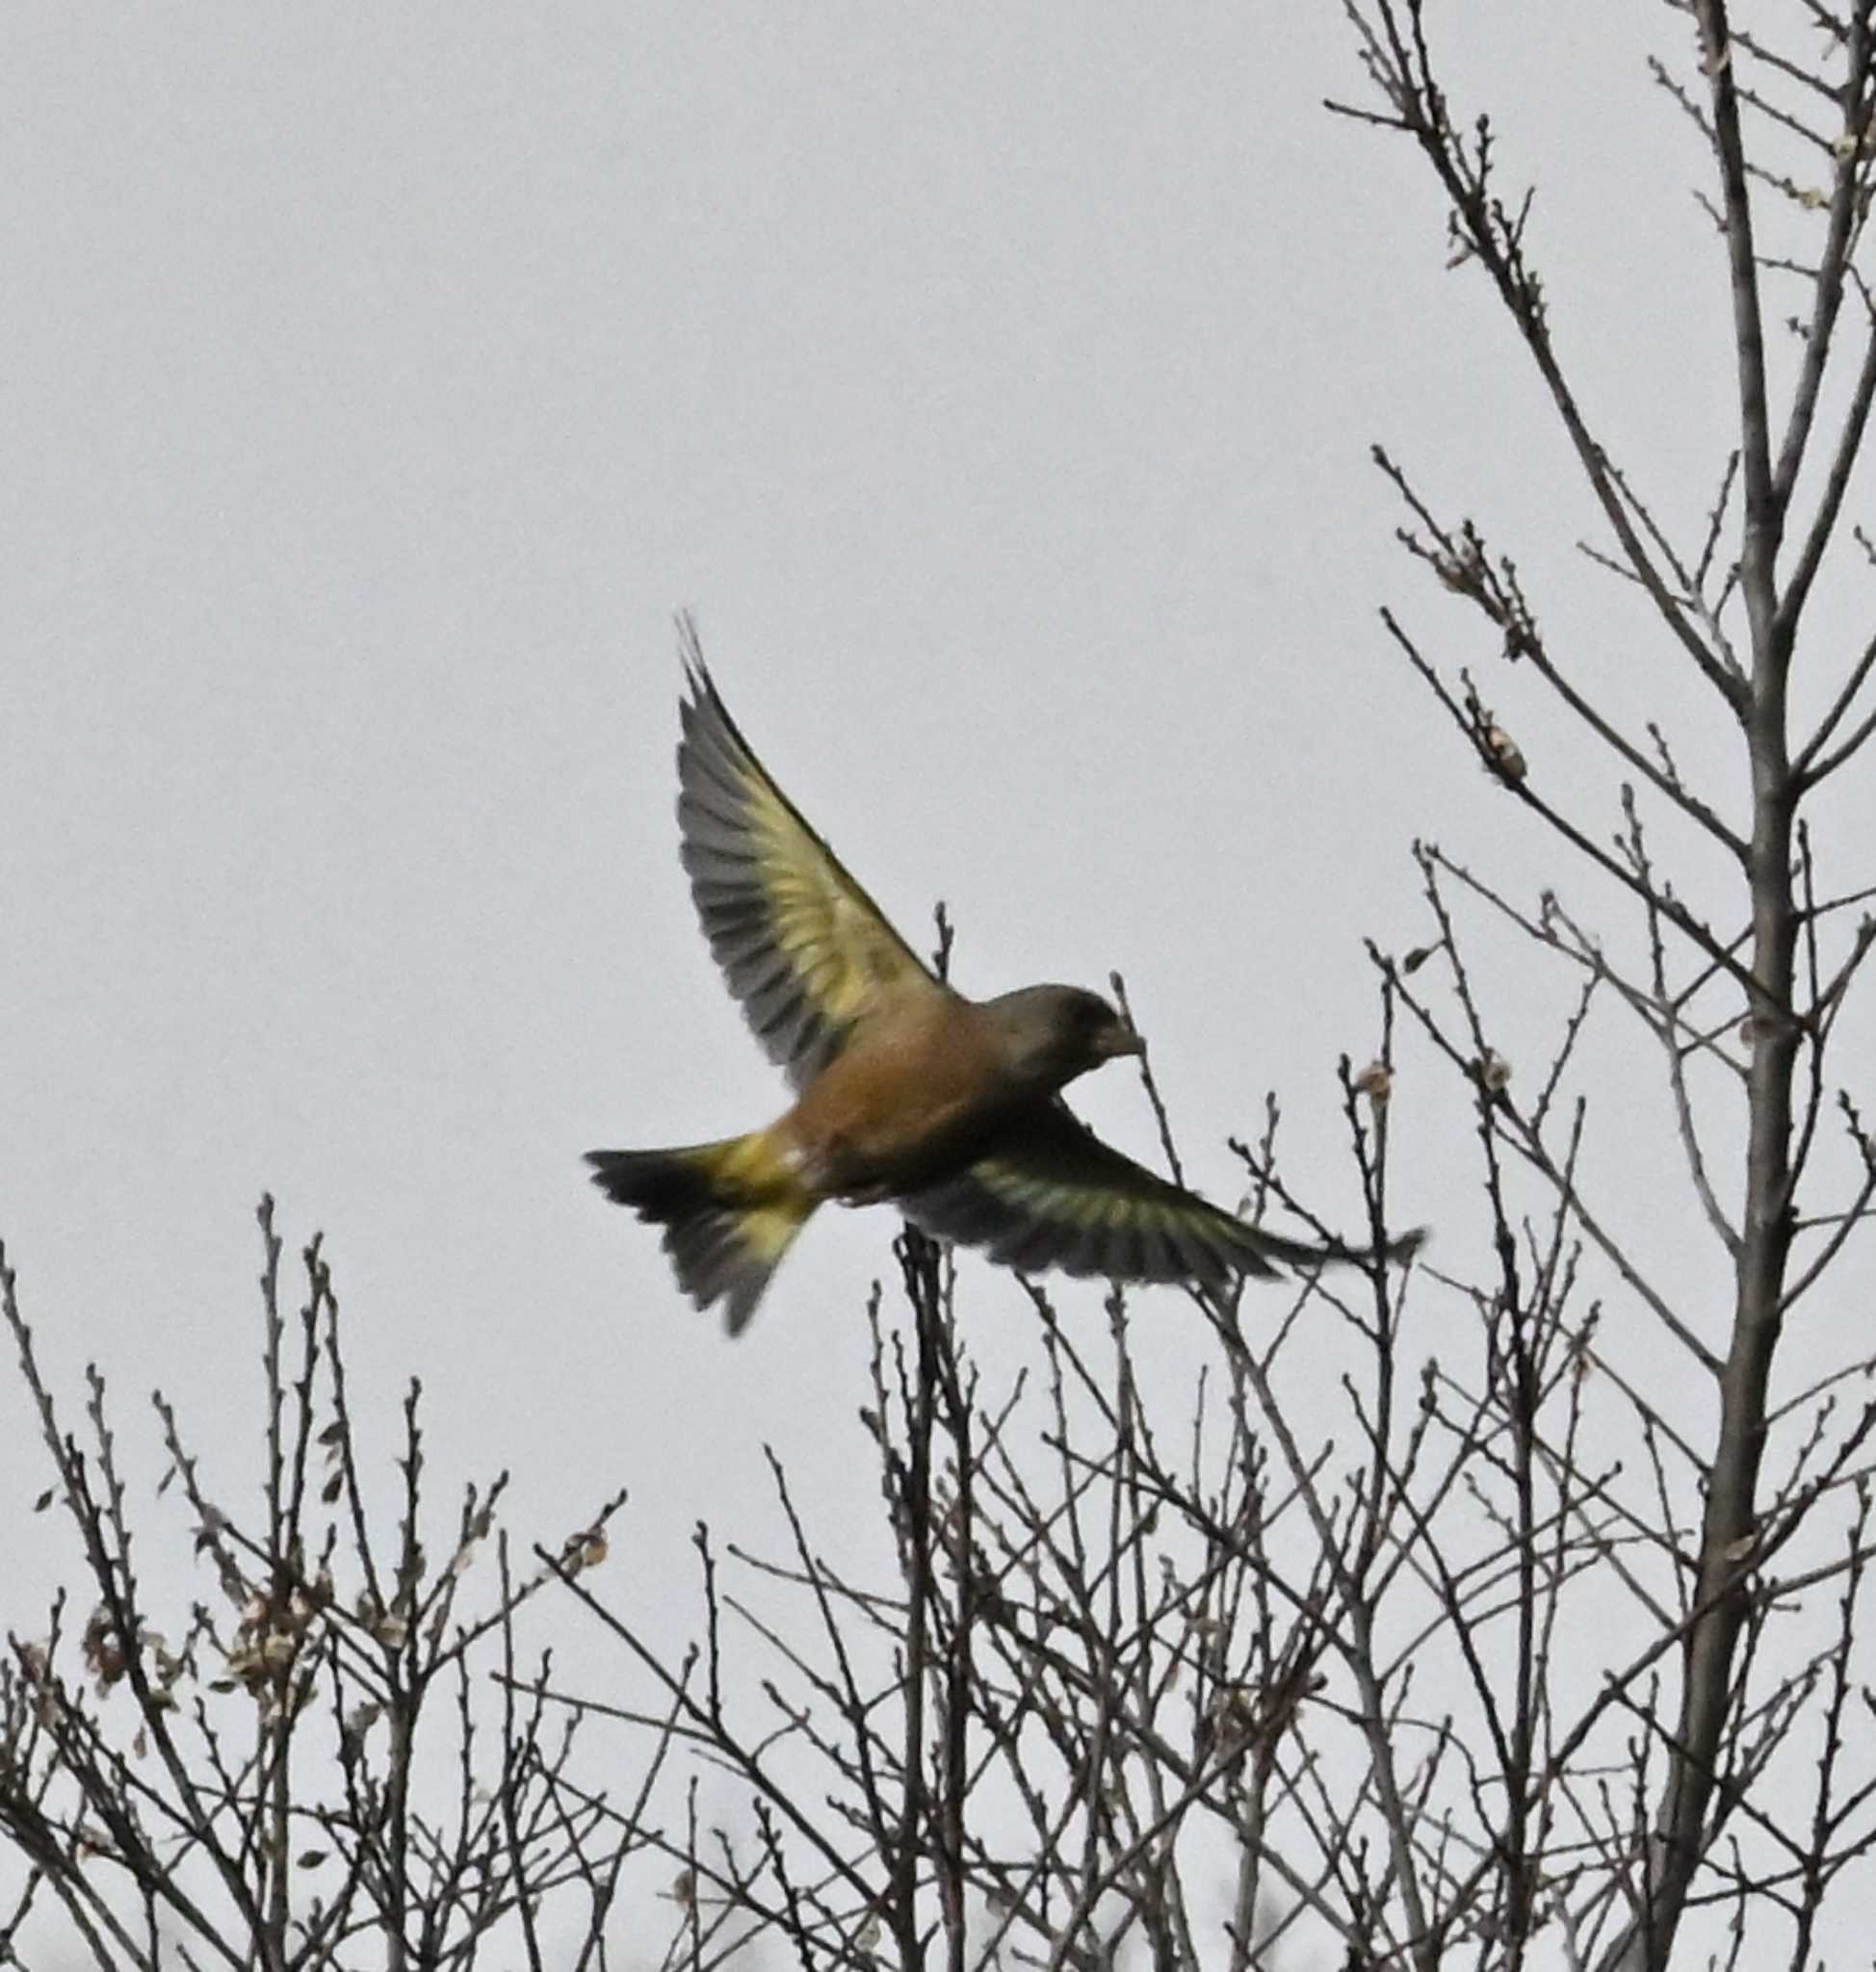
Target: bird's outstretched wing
803, 948
1054, 1195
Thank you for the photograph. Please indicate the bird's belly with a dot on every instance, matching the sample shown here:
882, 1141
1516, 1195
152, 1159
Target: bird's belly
880, 1120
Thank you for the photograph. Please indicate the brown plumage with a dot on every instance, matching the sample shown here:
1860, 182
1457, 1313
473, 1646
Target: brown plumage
905, 1090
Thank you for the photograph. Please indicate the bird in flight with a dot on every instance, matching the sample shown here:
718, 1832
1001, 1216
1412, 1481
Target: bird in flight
905, 1090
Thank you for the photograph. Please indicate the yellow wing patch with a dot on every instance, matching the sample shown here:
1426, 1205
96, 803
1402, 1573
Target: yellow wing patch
802, 947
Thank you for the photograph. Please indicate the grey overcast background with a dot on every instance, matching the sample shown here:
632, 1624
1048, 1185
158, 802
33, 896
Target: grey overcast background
996, 383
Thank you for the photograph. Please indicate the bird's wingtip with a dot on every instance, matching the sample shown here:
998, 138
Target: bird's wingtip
1407, 1247
690, 650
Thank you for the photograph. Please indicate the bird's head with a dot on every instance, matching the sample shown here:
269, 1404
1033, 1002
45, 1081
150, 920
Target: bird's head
1050, 1035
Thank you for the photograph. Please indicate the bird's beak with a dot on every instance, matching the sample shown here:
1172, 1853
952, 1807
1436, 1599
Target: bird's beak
1119, 1040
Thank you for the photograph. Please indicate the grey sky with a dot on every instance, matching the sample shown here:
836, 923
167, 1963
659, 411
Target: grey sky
996, 384
996, 390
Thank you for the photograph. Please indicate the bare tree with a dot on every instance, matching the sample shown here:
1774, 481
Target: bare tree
306, 1774
1754, 990
1564, 1656
1508, 1612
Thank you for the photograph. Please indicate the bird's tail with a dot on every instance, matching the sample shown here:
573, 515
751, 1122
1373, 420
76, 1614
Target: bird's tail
730, 1210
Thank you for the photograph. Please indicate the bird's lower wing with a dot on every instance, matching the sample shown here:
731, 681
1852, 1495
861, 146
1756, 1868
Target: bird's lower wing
1054, 1195
803, 948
